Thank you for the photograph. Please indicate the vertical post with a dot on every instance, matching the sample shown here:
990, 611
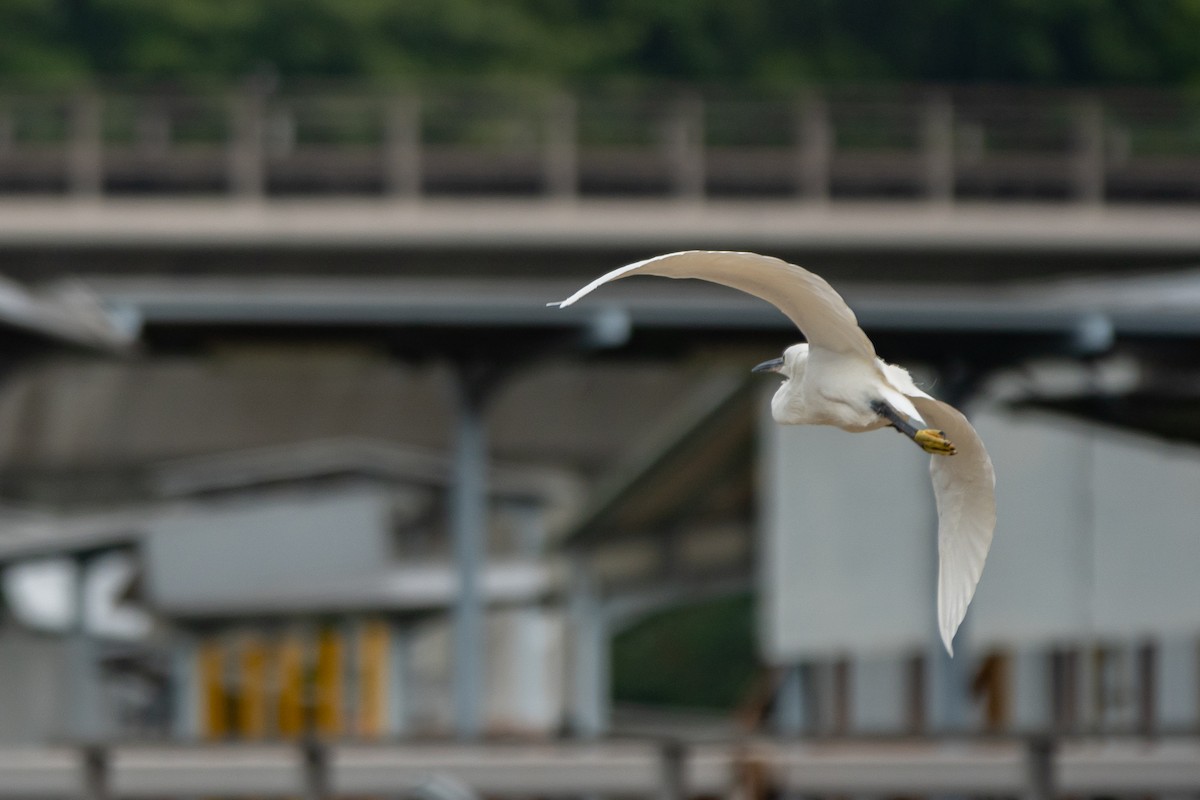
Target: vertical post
154, 129
938, 141
247, 160
8, 133
790, 706
948, 680
842, 675
329, 679
399, 680
674, 770
1040, 768
1088, 161
86, 161
468, 516
290, 668
83, 665
95, 773
1147, 692
402, 148
815, 148
532, 707
916, 681
373, 690
252, 687
685, 147
185, 688
589, 653
561, 167
316, 769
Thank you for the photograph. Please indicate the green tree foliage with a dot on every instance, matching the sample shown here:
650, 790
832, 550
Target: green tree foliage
764, 42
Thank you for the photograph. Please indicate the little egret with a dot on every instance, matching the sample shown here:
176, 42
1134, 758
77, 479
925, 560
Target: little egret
836, 379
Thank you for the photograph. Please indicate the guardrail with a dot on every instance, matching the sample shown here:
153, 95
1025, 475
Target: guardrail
1036, 768
934, 144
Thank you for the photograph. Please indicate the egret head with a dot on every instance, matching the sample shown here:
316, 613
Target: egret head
790, 364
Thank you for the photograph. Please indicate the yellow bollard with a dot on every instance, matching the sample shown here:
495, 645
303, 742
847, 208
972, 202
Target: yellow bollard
328, 677
290, 671
373, 665
252, 688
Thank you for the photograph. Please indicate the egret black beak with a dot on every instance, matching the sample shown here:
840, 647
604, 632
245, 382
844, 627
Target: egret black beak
774, 365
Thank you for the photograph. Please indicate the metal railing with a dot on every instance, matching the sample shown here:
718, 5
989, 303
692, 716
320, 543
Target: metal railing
929, 144
1035, 768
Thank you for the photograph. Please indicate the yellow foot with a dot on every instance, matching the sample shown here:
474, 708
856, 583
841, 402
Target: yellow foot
935, 442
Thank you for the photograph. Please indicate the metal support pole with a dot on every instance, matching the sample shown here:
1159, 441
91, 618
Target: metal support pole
685, 147
185, 688
316, 770
247, 159
83, 665
938, 141
790, 711
8, 132
1089, 162
589, 654
561, 159
674, 770
948, 680
816, 145
399, 679
1040, 768
86, 161
468, 515
528, 667
402, 148
95, 773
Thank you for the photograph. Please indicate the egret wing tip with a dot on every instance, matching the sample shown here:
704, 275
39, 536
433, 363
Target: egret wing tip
948, 642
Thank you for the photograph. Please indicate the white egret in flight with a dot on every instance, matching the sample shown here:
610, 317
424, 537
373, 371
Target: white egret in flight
835, 378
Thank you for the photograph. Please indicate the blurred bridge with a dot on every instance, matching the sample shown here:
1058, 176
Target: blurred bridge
1039, 769
961, 170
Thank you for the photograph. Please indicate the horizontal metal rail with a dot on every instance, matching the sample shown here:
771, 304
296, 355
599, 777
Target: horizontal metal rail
926, 144
1036, 768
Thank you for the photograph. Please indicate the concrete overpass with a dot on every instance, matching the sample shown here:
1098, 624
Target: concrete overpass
964, 243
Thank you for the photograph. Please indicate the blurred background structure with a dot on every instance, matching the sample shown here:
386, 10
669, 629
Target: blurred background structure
355, 484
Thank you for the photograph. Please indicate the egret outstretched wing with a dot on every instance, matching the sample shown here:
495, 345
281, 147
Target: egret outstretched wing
964, 487
963, 483
807, 299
